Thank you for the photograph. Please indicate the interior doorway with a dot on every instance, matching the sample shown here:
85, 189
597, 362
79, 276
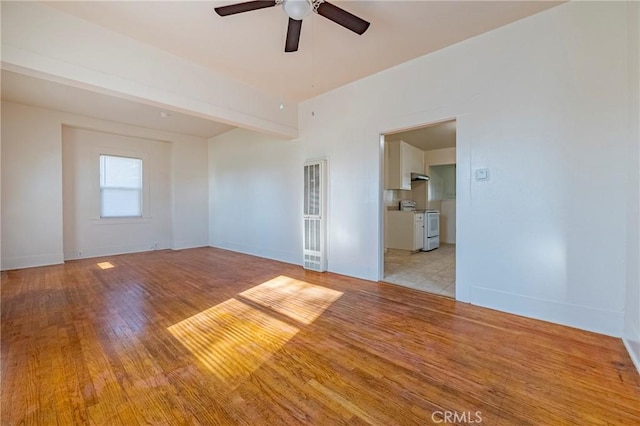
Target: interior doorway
419, 194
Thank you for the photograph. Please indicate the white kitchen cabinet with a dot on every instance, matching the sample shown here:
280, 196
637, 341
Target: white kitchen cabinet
404, 230
418, 231
402, 159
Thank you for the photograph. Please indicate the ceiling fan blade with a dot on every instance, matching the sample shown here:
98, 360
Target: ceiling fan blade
342, 17
248, 6
293, 35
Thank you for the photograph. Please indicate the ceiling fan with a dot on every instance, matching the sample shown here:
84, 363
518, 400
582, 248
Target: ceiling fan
296, 10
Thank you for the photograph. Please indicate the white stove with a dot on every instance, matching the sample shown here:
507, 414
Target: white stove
431, 230
431, 224
407, 206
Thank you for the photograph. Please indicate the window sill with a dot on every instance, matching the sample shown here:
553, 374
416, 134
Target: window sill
120, 220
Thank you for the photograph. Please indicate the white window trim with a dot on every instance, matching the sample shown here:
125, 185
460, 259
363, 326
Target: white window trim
146, 217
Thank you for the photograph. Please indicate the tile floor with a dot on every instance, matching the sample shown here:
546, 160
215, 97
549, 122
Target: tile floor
433, 271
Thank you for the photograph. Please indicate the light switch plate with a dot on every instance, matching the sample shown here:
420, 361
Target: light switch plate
482, 174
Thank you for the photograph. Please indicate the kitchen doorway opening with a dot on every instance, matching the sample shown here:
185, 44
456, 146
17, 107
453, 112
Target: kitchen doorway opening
419, 208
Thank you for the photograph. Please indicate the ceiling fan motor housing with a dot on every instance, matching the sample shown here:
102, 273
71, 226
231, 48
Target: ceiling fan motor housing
297, 9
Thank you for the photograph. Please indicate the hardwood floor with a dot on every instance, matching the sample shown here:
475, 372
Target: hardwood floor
207, 336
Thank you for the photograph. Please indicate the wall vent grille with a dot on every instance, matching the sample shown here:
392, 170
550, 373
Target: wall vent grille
314, 214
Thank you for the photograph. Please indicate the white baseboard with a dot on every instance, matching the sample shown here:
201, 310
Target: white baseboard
279, 255
582, 317
183, 245
111, 251
296, 259
632, 343
21, 262
633, 347
363, 272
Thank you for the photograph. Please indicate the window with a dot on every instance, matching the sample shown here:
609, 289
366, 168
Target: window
120, 186
442, 182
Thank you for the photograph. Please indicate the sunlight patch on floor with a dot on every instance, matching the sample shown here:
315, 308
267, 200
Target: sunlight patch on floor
105, 265
233, 338
298, 300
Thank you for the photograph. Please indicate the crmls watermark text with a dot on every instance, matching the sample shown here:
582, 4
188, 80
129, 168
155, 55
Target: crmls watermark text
451, 417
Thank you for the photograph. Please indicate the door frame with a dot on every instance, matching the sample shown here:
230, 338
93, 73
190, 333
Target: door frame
463, 191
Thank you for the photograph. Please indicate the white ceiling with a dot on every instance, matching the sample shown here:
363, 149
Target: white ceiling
249, 46
437, 136
28, 90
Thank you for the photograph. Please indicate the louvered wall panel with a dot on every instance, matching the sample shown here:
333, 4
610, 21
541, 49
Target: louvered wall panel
314, 212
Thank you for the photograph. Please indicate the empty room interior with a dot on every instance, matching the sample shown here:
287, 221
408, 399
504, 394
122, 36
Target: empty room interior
311, 212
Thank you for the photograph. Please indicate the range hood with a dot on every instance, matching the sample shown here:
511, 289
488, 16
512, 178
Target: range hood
418, 176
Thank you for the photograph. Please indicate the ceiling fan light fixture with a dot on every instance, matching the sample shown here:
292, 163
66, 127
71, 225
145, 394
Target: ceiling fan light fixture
297, 9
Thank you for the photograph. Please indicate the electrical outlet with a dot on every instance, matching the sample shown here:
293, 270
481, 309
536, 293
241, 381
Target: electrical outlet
79, 254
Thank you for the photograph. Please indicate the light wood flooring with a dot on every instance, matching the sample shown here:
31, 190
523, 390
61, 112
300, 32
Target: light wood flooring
211, 337
433, 271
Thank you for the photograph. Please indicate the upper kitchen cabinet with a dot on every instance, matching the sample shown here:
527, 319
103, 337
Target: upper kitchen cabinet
401, 159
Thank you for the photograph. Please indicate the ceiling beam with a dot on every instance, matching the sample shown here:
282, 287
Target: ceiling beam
44, 42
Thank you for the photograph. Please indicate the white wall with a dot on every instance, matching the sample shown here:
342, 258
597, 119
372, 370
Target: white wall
0, 188
190, 191
32, 199
88, 235
256, 195
448, 221
632, 308
31, 188
542, 103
